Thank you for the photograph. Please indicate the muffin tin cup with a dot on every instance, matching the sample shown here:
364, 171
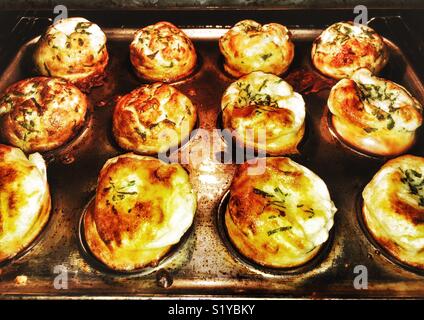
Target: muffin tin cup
265, 270
389, 256
94, 262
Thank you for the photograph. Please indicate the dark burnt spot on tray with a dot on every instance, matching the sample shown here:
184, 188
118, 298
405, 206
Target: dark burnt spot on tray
307, 82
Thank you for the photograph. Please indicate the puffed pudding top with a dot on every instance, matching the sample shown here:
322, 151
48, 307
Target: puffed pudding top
374, 114
162, 52
279, 218
250, 46
153, 118
344, 47
394, 208
24, 200
41, 114
73, 49
143, 207
264, 112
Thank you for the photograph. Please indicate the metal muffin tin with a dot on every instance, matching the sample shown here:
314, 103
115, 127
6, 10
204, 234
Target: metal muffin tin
205, 264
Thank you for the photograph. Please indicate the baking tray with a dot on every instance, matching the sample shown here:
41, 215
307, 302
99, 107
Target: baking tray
205, 265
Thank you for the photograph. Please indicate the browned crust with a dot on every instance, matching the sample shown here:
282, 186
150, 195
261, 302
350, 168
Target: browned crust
346, 101
412, 214
166, 79
36, 229
362, 130
96, 79
287, 148
146, 67
85, 83
58, 128
75, 62
246, 248
8, 175
348, 55
144, 106
119, 230
245, 207
110, 223
234, 51
360, 140
132, 261
400, 210
274, 125
389, 245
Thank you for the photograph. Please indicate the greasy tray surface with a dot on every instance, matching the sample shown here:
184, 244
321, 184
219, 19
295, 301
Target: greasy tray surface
204, 266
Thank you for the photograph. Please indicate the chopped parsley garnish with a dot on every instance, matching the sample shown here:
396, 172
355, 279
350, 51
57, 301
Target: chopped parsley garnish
7, 99
415, 183
247, 96
28, 125
371, 93
101, 48
276, 199
390, 123
343, 33
119, 193
82, 27
266, 56
37, 105
369, 129
263, 85
311, 212
152, 55
262, 193
250, 28
280, 229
